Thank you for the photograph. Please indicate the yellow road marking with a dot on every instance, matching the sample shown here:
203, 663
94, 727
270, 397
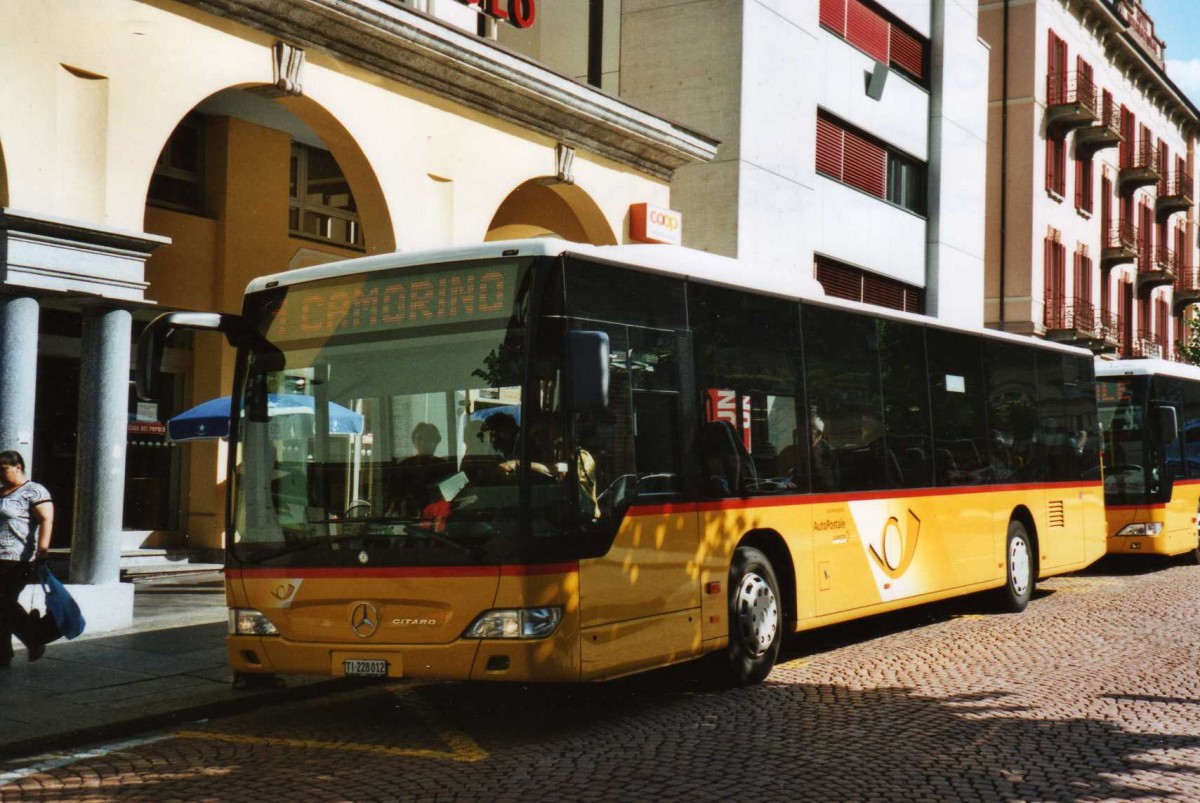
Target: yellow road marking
462, 747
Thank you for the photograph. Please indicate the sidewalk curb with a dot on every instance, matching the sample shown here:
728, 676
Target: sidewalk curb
252, 700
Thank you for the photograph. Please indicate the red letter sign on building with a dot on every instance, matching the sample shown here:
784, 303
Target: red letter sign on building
519, 13
655, 224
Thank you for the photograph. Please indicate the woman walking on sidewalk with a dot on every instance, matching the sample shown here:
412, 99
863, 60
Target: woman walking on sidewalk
26, 524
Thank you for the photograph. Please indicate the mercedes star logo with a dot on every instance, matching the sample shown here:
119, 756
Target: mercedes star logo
364, 619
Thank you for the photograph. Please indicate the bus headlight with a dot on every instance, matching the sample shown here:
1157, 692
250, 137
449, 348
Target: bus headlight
1142, 528
516, 623
249, 622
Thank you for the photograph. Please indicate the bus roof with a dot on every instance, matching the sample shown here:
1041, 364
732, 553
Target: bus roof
670, 259
1147, 367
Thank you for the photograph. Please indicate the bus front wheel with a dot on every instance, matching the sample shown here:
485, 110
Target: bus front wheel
1019, 571
755, 617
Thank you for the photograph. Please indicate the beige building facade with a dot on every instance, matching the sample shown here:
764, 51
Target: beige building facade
156, 155
1091, 224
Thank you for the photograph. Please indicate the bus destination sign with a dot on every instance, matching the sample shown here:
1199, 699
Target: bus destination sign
394, 300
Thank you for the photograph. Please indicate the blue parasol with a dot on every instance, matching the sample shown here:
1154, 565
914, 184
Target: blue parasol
210, 420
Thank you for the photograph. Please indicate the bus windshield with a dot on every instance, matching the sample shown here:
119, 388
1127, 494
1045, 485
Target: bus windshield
1131, 472
382, 421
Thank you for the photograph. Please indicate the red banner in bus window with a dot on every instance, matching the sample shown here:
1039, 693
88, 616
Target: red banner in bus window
723, 405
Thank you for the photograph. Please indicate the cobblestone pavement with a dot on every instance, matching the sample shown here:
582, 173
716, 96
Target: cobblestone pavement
1092, 694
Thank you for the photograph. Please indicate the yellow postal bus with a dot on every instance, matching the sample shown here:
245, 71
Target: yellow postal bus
538, 460
1150, 415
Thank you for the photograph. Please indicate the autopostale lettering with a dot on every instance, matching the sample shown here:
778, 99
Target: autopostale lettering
397, 302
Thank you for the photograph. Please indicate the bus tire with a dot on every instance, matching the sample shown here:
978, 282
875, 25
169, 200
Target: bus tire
755, 617
1019, 577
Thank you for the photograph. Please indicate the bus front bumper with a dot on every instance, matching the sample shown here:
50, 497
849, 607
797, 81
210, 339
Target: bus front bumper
542, 660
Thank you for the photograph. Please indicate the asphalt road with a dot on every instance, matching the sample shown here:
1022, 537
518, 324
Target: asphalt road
1092, 694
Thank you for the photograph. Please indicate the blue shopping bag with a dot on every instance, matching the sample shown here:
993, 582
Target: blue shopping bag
60, 604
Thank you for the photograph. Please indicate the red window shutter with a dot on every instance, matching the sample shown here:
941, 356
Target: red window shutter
868, 31
883, 293
1106, 291
1085, 289
840, 281
908, 52
865, 165
1105, 208
829, 148
1079, 183
1052, 177
1128, 126
833, 16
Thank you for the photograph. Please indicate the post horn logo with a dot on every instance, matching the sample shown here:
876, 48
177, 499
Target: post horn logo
897, 546
364, 620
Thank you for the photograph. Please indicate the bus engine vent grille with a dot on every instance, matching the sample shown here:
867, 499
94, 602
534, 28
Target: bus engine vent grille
1057, 516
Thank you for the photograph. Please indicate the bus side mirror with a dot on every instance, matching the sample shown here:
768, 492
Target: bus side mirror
154, 339
1168, 424
589, 370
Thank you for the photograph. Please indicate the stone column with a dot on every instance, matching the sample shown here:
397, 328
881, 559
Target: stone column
18, 374
100, 454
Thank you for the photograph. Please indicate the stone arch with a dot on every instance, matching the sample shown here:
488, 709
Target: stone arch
293, 114
544, 206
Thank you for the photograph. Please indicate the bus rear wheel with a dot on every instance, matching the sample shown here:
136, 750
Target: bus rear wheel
1019, 571
755, 617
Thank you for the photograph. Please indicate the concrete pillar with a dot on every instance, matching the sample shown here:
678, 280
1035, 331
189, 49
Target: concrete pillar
18, 374
100, 455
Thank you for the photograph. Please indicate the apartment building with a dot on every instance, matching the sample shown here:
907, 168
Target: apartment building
1091, 227
853, 138
157, 155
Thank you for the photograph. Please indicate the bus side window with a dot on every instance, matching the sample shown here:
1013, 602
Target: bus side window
842, 377
957, 397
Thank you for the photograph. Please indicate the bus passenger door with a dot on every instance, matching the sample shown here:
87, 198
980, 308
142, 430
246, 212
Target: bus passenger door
639, 602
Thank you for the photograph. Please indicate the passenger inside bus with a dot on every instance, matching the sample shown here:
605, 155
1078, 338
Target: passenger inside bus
413, 481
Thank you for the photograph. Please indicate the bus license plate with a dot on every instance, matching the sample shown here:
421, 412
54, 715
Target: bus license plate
359, 667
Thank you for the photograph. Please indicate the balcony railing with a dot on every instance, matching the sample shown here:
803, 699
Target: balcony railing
1164, 259
1147, 344
1070, 100
1105, 133
1120, 245
1187, 287
1110, 327
1140, 156
1071, 315
1174, 194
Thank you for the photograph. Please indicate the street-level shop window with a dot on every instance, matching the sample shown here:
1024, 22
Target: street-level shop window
320, 203
178, 179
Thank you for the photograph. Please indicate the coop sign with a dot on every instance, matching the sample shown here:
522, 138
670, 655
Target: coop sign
655, 224
519, 13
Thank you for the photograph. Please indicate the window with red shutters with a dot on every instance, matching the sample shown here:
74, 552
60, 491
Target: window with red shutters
833, 16
830, 144
865, 165
867, 30
1083, 277
1160, 321
1056, 165
1083, 184
1128, 124
853, 284
908, 52
1106, 292
1055, 270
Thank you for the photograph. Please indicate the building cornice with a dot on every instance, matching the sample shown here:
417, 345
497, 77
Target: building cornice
1103, 20
421, 51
